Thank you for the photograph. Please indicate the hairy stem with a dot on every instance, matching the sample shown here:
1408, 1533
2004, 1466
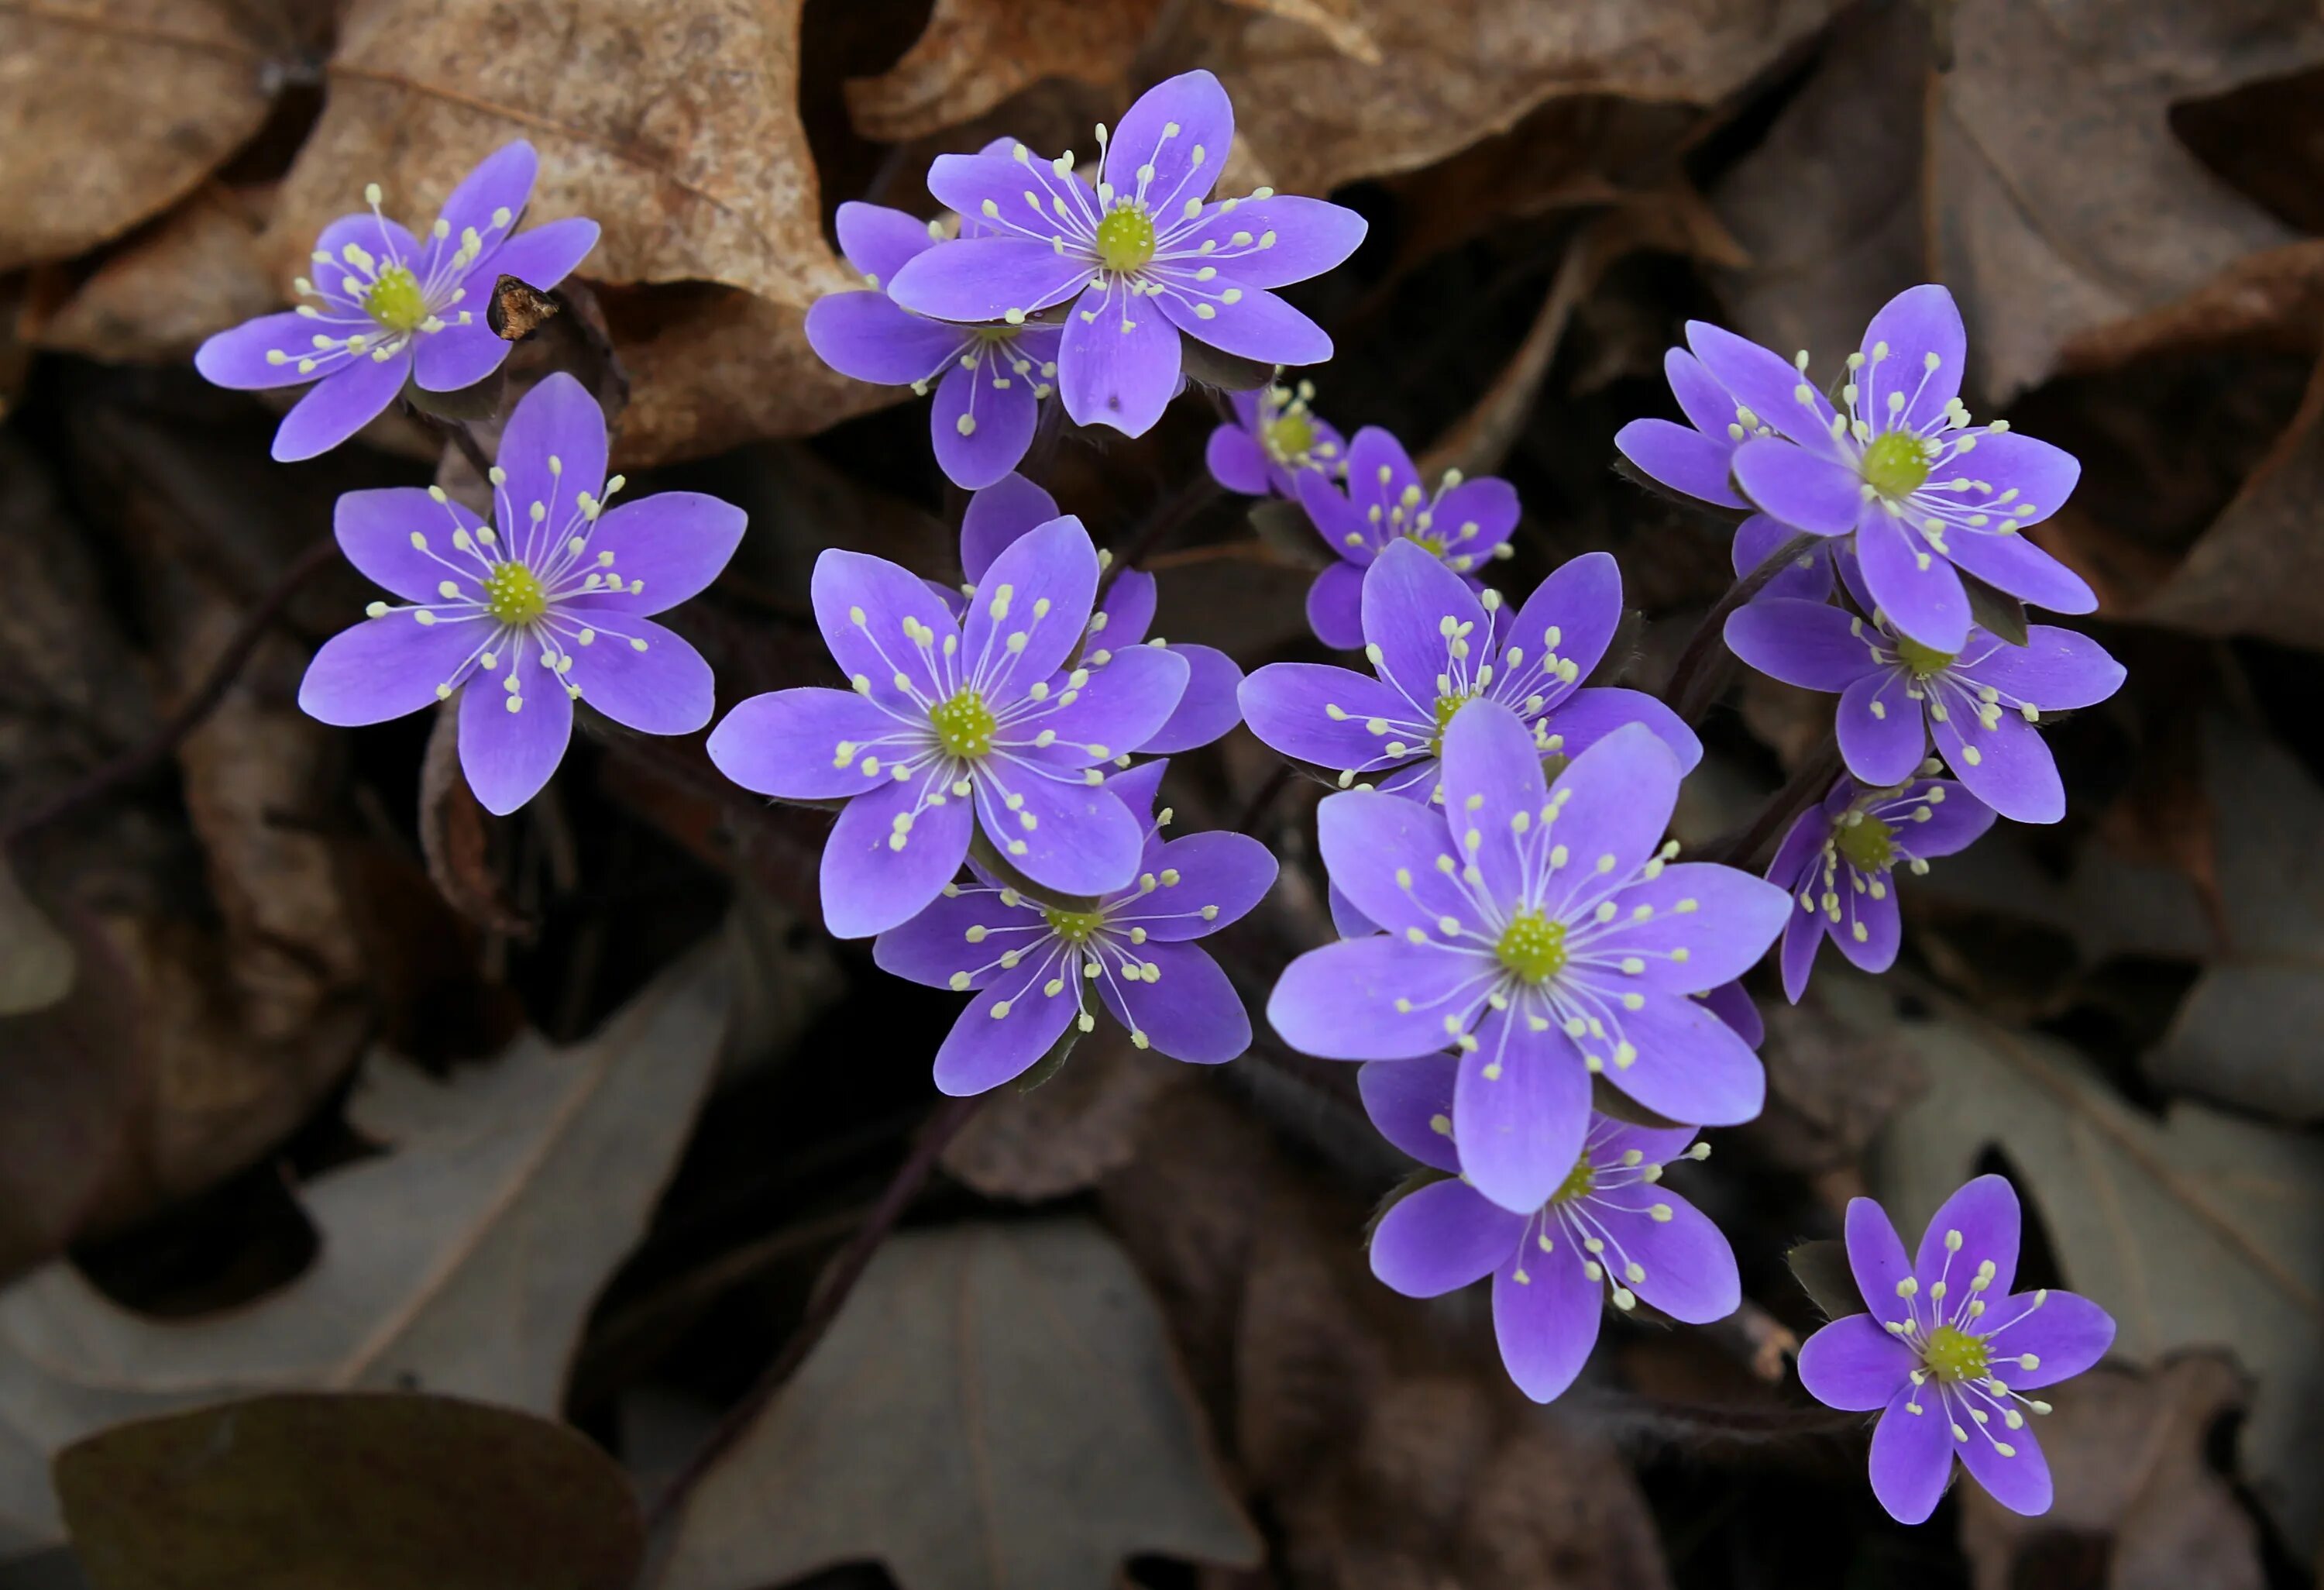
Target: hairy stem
135, 761
1805, 787
1702, 668
831, 1293
457, 433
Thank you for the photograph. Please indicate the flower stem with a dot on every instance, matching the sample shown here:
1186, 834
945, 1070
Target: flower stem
135, 761
1805, 787
831, 1292
1702, 668
457, 433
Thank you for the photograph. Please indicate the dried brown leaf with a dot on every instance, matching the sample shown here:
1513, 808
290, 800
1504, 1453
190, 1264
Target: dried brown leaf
975, 53
36, 961
158, 295
1069, 1133
2127, 1453
113, 110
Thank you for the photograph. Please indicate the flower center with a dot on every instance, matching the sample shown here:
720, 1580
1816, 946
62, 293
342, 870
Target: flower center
1125, 239
395, 301
1953, 1354
513, 594
1896, 463
1532, 946
1578, 1183
1869, 844
1074, 927
964, 724
1924, 661
1432, 545
1446, 706
1289, 437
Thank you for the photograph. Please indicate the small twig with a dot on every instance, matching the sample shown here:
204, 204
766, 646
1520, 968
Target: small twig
1263, 797
135, 761
1695, 680
831, 1292
1803, 789
1192, 498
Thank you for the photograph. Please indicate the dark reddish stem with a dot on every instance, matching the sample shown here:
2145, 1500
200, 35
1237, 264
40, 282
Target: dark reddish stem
831, 1293
1191, 499
134, 762
1805, 787
1702, 668
457, 433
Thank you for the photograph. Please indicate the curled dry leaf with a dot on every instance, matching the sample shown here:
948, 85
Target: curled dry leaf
465, 1260
1027, 1373
2127, 1453
975, 53
2199, 1229
113, 110
1065, 1135
36, 961
391, 1491
456, 835
164, 290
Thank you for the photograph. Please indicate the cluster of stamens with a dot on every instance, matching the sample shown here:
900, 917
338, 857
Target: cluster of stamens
1932, 677
1596, 1186
1865, 840
1286, 429
394, 302
1957, 1351
1411, 514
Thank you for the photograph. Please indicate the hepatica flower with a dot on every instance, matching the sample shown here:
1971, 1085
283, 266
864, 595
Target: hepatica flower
1437, 647
954, 727
521, 618
1839, 863
990, 381
1979, 704
1927, 495
1005, 510
1462, 524
1544, 933
1610, 1232
1949, 1351
1277, 437
1037, 968
1140, 256
382, 306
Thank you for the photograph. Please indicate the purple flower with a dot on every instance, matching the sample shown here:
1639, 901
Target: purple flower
1461, 525
1609, 1230
1926, 496
1005, 510
1950, 1380
990, 380
1839, 860
954, 727
1275, 437
1560, 943
1134, 949
1979, 704
385, 306
1437, 648
1140, 256
548, 605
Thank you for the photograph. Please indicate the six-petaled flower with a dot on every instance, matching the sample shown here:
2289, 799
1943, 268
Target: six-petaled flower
1948, 1353
1610, 1232
1138, 258
954, 727
1463, 524
382, 306
1437, 647
990, 381
1839, 863
1038, 966
545, 607
1277, 437
1979, 704
1544, 931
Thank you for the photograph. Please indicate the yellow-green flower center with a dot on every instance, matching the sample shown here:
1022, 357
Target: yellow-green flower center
1954, 1355
1896, 463
1578, 1182
1289, 437
514, 594
1869, 844
1074, 927
1924, 661
1125, 239
394, 299
1432, 545
1532, 946
964, 724
1446, 706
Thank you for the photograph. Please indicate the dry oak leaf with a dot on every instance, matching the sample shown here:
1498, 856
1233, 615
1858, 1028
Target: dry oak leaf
997, 1407
464, 1261
158, 295
2127, 1453
975, 53
2059, 198
673, 124
2197, 1230
113, 110
1449, 72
